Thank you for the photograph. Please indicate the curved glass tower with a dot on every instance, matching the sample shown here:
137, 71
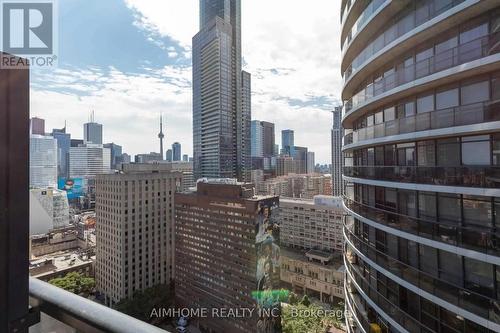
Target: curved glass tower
422, 165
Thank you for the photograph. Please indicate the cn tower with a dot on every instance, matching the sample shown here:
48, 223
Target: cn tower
161, 136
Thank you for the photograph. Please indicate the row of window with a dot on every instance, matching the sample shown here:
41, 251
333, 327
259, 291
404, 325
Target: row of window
413, 312
464, 282
472, 41
473, 93
414, 15
457, 219
449, 152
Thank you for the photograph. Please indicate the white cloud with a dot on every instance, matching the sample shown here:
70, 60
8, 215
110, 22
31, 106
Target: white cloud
128, 105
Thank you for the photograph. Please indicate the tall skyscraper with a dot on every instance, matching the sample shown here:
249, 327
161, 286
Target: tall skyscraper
300, 156
169, 155
161, 136
92, 131
287, 142
310, 162
134, 234
268, 139
221, 119
185, 158
116, 154
337, 159
257, 139
37, 126
63, 145
227, 254
176, 151
422, 153
43, 161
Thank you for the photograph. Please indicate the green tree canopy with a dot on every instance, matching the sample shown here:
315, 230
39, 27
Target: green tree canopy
75, 283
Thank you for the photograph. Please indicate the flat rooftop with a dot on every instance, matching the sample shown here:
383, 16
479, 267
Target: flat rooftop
61, 261
334, 263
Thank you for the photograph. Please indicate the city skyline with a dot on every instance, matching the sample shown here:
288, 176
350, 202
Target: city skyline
286, 90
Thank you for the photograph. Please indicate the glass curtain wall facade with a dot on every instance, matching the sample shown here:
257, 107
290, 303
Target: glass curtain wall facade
421, 168
221, 99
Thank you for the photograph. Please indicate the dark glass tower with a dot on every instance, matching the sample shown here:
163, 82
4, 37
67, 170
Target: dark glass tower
220, 131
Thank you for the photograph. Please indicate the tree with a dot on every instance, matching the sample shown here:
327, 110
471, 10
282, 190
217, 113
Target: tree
144, 301
293, 299
75, 283
305, 301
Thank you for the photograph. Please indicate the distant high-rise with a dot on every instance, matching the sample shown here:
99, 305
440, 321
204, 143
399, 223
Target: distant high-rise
268, 139
300, 156
169, 157
134, 235
88, 160
185, 158
287, 142
37, 126
147, 158
227, 254
116, 154
262, 138
310, 162
257, 139
92, 131
221, 115
337, 158
43, 161
176, 151
63, 145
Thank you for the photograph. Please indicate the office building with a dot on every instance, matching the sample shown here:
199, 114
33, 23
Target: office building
89, 160
286, 164
63, 145
257, 148
134, 229
287, 142
268, 139
185, 158
304, 186
337, 158
310, 162
421, 114
312, 224
37, 126
186, 168
92, 133
43, 161
148, 158
169, 157
176, 152
116, 154
227, 248
49, 209
76, 142
221, 114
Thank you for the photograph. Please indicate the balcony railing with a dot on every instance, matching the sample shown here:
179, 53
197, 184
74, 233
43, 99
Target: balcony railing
473, 237
394, 311
468, 176
363, 17
457, 116
82, 314
398, 29
463, 53
486, 307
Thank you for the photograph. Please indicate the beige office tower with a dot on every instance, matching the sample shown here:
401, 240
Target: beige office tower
134, 229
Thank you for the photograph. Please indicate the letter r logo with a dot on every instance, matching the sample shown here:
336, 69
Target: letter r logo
27, 27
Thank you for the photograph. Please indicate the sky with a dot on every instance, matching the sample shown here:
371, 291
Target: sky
130, 61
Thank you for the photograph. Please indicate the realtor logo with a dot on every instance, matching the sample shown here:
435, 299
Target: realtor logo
28, 30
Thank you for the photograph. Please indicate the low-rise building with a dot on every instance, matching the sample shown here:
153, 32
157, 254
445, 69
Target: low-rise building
312, 224
313, 273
